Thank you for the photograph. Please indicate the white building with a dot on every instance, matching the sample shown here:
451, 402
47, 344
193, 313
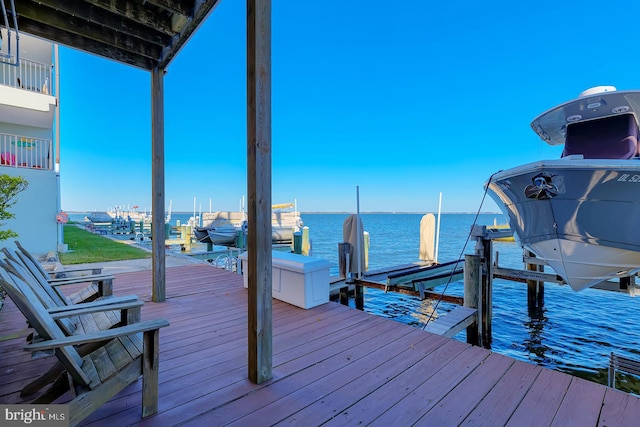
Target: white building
27, 113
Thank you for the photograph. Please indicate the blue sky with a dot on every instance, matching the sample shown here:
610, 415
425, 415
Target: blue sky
405, 100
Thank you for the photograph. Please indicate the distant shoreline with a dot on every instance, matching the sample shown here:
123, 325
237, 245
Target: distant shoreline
338, 213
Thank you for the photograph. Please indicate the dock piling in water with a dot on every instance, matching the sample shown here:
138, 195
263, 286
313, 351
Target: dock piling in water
472, 265
535, 288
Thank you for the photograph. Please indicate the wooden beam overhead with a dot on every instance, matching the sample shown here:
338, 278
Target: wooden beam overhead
114, 15
146, 34
139, 28
182, 7
91, 46
200, 12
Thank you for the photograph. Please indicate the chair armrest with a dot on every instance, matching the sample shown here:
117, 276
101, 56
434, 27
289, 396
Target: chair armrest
80, 279
134, 328
94, 271
93, 307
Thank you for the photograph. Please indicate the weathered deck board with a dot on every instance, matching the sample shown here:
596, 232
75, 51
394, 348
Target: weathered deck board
499, 404
333, 365
391, 392
579, 395
459, 403
619, 411
547, 391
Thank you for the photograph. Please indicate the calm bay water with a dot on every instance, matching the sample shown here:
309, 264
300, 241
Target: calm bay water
575, 331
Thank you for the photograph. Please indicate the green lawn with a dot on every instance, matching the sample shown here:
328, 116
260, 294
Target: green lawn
85, 247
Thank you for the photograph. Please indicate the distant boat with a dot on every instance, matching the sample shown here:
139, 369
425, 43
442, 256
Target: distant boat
201, 234
284, 222
118, 214
222, 235
221, 227
99, 217
501, 227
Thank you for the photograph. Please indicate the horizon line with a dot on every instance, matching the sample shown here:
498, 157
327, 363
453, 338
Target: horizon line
328, 212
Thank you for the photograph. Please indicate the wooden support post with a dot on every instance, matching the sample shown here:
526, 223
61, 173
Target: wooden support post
260, 320
105, 287
471, 294
344, 295
487, 293
158, 263
297, 242
306, 242
359, 297
150, 361
535, 289
187, 238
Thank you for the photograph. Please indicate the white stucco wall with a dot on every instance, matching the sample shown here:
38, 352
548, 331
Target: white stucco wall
35, 211
30, 114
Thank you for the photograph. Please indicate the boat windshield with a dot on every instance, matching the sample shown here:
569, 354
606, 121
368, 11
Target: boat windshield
551, 125
614, 137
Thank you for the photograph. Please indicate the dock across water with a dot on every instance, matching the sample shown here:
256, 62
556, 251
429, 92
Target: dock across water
333, 365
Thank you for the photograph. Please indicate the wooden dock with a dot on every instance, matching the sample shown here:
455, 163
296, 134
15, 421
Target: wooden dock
333, 365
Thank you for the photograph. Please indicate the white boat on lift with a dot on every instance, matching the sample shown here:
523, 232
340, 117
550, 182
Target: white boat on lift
220, 228
284, 222
579, 213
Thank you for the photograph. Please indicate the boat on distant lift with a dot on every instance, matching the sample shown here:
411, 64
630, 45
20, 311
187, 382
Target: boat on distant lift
284, 222
221, 228
579, 213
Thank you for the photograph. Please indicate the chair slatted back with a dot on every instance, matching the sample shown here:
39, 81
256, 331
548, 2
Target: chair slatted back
28, 255
44, 281
39, 319
16, 269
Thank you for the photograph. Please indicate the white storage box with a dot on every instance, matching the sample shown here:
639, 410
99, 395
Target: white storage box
297, 279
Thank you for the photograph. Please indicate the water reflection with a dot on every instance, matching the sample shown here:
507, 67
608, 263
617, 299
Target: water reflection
535, 343
426, 312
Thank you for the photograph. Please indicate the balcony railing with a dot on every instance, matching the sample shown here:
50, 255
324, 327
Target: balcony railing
25, 152
28, 75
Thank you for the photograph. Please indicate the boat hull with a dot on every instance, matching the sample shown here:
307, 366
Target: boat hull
202, 235
222, 235
578, 215
282, 234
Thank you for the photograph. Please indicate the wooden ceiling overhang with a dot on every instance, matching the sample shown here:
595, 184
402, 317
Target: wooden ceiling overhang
147, 34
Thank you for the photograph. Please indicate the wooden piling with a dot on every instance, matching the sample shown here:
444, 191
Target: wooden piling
306, 241
297, 242
486, 293
471, 294
359, 297
479, 274
535, 288
344, 295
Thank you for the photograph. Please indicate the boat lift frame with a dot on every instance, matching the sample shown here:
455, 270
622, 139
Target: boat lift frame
534, 275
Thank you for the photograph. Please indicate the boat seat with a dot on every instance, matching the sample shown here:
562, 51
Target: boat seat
613, 137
